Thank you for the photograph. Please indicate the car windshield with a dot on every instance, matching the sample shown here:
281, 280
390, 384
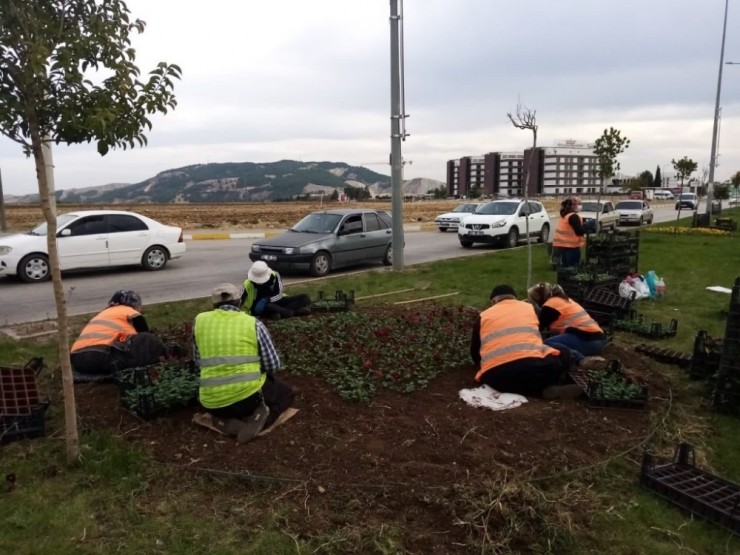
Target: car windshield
687, 196
465, 208
627, 205
498, 208
318, 222
591, 207
62, 220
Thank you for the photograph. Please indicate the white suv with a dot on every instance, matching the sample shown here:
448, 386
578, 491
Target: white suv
505, 221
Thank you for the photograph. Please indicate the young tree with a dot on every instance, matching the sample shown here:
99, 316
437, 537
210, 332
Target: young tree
606, 148
49, 52
526, 119
658, 181
683, 168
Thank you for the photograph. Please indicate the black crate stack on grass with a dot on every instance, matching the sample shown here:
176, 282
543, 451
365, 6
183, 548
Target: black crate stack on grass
614, 253
726, 395
706, 356
577, 281
22, 410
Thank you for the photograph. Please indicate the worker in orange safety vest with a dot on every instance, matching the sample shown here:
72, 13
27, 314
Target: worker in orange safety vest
569, 233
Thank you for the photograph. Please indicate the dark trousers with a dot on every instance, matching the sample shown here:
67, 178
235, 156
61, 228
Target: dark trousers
529, 376
287, 305
569, 257
277, 395
141, 349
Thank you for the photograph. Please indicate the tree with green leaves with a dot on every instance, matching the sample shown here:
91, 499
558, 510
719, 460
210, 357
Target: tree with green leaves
606, 148
658, 181
683, 168
646, 178
50, 52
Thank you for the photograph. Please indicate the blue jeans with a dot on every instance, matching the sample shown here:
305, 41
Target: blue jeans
569, 257
582, 347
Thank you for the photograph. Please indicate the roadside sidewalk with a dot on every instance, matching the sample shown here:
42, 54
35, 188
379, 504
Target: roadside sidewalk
217, 234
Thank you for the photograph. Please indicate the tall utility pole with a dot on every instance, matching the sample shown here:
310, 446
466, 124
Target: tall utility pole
3, 225
713, 155
396, 137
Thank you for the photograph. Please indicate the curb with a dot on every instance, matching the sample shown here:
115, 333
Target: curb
221, 235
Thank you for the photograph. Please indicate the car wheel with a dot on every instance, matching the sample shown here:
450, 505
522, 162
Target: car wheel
320, 264
34, 268
154, 258
650, 221
388, 258
465, 243
544, 233
443, 229
512, 238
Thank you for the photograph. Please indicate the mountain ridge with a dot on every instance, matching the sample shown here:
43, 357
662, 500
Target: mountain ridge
240, 182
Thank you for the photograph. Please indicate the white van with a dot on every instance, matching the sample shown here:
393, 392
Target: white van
663, 195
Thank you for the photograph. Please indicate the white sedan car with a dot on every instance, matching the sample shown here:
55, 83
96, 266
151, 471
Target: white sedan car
92, 239
450, 220
635, 212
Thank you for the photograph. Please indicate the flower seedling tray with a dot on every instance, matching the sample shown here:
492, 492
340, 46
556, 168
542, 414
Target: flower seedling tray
697, 491
667, 356
341, 302
610, 388
637, 324
604, 300
149, 391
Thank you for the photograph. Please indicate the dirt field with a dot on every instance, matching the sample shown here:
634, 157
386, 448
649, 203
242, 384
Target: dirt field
403, 460
229, 216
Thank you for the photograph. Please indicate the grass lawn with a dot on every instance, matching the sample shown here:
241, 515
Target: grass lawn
119, 498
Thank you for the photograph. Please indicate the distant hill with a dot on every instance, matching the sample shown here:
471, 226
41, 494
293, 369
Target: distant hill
240, 182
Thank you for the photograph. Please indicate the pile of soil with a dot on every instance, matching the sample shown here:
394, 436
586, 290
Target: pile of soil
401, 447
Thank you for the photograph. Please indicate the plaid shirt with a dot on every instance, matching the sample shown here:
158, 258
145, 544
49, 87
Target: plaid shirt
269, 358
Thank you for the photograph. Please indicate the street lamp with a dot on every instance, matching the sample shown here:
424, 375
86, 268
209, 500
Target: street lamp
713, 155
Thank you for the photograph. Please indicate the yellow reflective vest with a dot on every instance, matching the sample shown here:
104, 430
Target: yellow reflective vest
229, 357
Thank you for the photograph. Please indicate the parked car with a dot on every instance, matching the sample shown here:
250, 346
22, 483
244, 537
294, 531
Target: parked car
687, 200
636, 212
663, 194
504, 221
92, 239
450, 220
599, 215
329, 239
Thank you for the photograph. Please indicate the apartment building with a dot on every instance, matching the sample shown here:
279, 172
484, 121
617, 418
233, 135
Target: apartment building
494, 174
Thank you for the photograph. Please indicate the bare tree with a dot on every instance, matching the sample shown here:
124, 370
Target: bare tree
524, 118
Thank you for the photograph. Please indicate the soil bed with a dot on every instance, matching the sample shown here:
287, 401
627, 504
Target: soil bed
392, 456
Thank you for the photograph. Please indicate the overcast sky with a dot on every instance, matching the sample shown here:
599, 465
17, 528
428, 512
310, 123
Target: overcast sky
310, 80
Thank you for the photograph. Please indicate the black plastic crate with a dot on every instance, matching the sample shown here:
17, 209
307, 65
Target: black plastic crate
596, 389
149, 391
19, 391
636, 323
697, 491
19, 426
667, 356
706, 356
604, 300
341, 302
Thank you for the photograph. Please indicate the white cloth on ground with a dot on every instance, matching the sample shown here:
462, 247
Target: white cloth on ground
487, 397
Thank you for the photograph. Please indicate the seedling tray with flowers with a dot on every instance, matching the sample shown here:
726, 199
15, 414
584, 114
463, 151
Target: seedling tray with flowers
636, 323
149, 391
341, 302
610, 387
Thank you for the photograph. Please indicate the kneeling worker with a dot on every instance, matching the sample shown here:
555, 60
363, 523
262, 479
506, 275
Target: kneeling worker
263, 295
238, 362
511, 357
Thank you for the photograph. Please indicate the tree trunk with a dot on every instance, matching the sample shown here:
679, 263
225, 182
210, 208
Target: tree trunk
45, 176
678, 212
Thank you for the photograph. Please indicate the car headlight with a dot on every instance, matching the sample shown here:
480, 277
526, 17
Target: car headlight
500, 223
5, 250
291, 250
255, 248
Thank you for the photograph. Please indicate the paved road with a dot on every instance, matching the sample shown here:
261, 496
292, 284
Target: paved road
205, 264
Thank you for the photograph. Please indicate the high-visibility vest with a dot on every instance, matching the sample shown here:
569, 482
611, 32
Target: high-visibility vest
114, 324
229, 357
509, 331
564, 236
572, 315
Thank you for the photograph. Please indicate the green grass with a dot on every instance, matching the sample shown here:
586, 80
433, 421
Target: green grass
117, 499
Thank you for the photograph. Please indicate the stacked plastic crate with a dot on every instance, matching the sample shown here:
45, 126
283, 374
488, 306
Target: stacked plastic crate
726, 395
614, 253
22, 410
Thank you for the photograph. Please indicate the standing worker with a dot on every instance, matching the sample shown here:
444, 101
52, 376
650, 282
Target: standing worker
237, 361
263, 295
569, 233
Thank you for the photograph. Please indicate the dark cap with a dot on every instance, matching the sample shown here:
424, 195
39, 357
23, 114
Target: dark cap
502, 290
125, 297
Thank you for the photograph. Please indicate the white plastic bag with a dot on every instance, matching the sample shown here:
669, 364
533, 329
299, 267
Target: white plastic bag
625, 289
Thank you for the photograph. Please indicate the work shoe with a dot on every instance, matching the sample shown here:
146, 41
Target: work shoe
225, 426
570, 391
253, 424
592, 363
303, 311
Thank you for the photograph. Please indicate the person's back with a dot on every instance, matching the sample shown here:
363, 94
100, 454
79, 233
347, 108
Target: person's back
111, 325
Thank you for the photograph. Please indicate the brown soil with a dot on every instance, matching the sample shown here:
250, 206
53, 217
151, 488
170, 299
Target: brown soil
394, 456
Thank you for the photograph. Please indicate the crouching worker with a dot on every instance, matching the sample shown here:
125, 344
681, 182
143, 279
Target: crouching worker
117, 338
511, 357
574, 327
263, 295
237, 361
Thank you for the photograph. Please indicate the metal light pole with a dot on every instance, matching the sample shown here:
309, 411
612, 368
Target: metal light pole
396, 137
713, 155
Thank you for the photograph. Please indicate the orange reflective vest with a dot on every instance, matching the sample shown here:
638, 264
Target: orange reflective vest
572, 315
564, 236
509, 331
110, 326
